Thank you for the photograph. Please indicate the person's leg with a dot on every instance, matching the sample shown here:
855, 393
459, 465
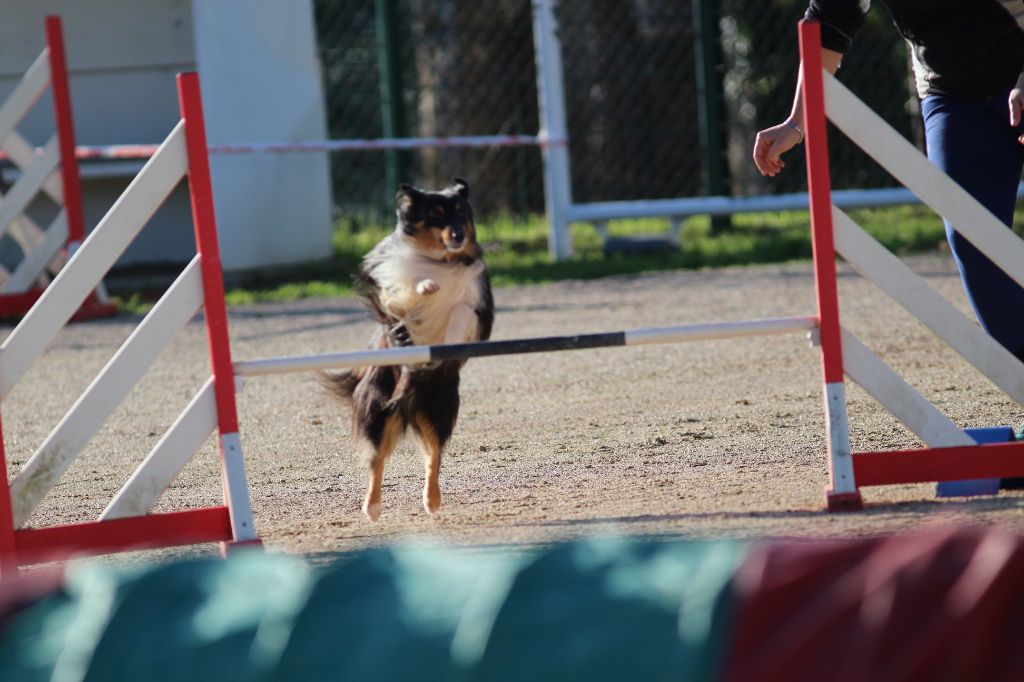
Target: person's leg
975, 145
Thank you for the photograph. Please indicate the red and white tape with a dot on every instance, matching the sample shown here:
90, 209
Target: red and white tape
144, 151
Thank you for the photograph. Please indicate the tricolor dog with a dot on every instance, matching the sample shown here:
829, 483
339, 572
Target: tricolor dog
425, 284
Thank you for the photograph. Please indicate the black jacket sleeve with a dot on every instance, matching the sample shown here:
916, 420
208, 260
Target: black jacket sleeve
840, 20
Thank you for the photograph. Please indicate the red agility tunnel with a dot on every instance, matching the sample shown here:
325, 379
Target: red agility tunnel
938, 604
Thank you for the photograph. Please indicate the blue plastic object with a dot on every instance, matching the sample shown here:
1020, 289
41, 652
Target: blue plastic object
979, 486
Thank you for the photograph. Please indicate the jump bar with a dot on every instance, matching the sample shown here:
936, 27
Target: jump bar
414, 355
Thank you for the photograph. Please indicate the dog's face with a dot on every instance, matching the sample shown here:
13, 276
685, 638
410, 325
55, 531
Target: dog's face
439, 223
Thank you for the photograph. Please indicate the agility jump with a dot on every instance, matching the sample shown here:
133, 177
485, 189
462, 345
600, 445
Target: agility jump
126, 523
951, 453
53, 172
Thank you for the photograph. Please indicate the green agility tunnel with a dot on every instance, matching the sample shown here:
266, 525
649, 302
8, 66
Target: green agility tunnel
937, 604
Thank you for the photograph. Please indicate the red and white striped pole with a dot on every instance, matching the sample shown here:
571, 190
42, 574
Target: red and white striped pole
236, 489
843, 494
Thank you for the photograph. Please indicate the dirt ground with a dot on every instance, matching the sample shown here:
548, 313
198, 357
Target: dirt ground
710, 439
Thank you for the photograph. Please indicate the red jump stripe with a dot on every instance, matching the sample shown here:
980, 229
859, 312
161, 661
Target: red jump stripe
215, 310
194, 526
820, 192
939, 464
71, 184
8, 560
17, 304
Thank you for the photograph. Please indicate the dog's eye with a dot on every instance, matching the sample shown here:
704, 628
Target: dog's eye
437, 213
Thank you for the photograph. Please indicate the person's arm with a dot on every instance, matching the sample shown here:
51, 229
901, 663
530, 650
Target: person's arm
840, 21
1016, 104
772, 143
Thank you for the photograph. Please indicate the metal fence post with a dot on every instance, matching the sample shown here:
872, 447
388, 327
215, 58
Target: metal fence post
708, 57
551, 106
391, 105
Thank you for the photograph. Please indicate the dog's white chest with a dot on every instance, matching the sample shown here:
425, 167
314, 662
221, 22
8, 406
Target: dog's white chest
427, 316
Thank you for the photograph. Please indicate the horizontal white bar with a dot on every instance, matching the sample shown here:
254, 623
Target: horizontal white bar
413, 355
850, 198
86, 268
140, 151
894, 153
720, 330
422, 354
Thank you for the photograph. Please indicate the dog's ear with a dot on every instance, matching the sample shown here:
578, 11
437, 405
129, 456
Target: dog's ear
405, 190
462, 187
406, 196
406, 200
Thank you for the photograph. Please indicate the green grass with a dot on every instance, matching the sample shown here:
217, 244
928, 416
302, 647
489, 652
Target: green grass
516, 250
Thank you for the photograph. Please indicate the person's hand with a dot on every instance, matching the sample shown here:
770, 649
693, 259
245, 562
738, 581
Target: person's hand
771, 144
1017, 104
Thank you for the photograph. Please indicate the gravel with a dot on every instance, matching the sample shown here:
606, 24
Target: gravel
707, 439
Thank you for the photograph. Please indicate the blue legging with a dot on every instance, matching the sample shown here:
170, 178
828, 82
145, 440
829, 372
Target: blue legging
975, 145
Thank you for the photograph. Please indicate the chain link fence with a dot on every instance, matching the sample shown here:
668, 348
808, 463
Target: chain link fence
419, 68
657, 106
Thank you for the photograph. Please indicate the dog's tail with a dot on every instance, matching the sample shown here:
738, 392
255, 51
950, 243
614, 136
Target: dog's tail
341, 384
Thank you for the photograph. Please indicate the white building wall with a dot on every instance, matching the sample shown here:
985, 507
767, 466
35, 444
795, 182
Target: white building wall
122, 57
261, 83
257, 64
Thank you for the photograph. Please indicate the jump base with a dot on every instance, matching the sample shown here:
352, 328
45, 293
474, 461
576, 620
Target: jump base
843, 502
171, 529
230, 548
980, 486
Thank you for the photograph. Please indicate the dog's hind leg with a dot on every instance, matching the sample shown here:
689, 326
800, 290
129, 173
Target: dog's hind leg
433, 412
430, 447
378, 454
377, 427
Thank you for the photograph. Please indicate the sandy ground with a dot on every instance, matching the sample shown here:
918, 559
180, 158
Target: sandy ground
694, 440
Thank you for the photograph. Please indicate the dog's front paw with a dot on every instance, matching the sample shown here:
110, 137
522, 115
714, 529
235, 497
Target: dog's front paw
425, 287
399, 336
